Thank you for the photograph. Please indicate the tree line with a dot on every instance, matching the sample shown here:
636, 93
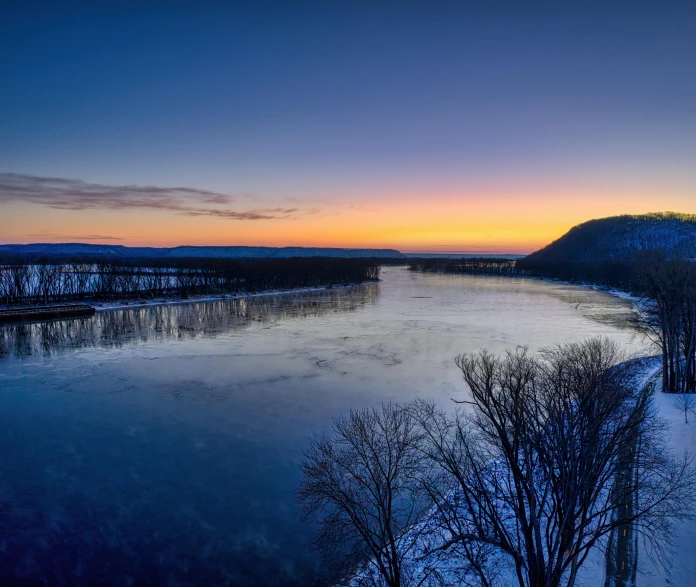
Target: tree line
27, 281
471, 266
548, 458
668, 317
666, 286
622, 274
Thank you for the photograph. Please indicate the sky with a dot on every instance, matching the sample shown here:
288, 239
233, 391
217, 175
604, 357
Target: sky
421, 126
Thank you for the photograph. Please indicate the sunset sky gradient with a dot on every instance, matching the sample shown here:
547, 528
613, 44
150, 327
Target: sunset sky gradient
423, 126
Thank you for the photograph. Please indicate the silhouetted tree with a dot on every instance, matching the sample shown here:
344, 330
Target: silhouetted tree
36, 280
556, 453
668, 317
361, 486
686, 403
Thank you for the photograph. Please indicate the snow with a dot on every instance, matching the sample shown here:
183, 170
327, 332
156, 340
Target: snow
682, 573
683, 568
102, 307
624, 295
619, 238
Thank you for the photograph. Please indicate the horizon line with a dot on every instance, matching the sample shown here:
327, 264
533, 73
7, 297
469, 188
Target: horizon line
406, 251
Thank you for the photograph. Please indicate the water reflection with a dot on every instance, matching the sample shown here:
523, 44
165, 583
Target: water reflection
161, 445
130, 326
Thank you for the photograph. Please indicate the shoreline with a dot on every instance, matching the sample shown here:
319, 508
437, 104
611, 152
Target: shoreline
222, 297
165, 301
417, 541
619, 293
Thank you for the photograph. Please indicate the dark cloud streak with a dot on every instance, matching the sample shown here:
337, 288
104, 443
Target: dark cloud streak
78, 195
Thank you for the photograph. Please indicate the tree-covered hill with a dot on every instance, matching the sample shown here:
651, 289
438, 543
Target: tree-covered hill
620, 238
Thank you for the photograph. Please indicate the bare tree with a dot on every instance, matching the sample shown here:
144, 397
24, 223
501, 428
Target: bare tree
686, 402
37, 281
668, 317
360, 486
555, 454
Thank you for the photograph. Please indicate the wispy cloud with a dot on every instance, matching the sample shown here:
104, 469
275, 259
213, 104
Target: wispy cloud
80, 237
261, 214
75, 194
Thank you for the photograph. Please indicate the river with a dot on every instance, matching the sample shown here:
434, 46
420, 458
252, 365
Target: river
162, 444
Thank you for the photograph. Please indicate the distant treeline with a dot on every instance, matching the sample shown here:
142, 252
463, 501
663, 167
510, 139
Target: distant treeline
625, 275
667, 287
26, 281
472, 265
621, 274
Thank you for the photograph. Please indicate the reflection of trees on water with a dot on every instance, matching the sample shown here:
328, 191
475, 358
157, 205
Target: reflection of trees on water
130, 326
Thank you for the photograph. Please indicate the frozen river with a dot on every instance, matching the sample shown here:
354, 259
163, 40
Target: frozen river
162, 444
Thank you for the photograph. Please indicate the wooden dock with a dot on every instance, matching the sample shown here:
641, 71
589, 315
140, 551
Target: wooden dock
45, 313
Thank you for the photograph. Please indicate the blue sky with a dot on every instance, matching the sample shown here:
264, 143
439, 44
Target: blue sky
323, 106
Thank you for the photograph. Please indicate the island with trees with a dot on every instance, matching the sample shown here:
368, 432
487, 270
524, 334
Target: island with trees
40, 279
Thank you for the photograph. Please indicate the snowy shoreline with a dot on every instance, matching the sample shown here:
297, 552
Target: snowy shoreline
105, 307
170, 301
241, 296
419, 540
625, 295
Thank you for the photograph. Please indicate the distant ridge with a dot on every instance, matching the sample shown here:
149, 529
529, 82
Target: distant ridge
620, 238
120, 251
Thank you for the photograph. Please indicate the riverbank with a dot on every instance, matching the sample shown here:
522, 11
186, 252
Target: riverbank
29, 282
209, 406
164, 301
40, 313
629, 296
105, 307
682, 440
624, 560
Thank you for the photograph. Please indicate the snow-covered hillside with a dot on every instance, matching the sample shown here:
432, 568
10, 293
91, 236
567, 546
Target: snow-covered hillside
619, 238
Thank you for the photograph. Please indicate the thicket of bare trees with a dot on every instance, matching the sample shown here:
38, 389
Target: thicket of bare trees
549, 457
471, 266
42, 281
669, 318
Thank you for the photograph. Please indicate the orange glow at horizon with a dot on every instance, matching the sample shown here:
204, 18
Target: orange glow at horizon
494, 223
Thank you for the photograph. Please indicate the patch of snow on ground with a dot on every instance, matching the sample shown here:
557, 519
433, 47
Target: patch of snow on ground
683, 570
592, 573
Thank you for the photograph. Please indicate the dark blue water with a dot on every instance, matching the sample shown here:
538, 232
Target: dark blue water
161, 445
